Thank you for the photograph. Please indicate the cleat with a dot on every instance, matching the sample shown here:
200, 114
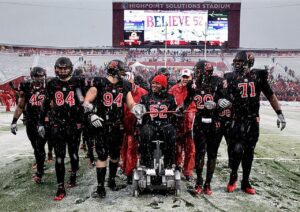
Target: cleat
112, 184
72, 181
60, 194
198, 189
231, 187
34, 166
37, 178
83, 147
207, 189
232, 184
50, 157
247, 188
91, 164
99, 193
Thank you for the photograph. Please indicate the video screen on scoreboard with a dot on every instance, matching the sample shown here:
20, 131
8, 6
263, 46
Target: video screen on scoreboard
176, 26
217, 26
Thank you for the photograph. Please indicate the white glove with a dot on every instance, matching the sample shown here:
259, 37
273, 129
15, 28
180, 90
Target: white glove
41, 131
224, 103
14, 129
138, 110
87, 107
95, 120
210, 105
281, 121
129, 76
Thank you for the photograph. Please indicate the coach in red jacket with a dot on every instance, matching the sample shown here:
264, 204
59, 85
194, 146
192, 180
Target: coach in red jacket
185, 142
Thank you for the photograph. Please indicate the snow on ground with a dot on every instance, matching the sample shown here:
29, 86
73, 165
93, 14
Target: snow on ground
275, 175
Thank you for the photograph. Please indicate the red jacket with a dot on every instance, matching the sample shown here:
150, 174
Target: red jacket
180, 92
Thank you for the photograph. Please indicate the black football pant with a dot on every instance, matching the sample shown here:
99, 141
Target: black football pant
108, 143
206, 138
63, 136
245, 135
88, 137
225, 130
38, 145
165, 133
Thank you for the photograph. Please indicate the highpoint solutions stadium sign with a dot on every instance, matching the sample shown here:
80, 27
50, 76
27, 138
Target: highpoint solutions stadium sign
181, 6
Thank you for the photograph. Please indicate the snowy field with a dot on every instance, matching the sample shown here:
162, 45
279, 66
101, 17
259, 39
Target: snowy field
275, 175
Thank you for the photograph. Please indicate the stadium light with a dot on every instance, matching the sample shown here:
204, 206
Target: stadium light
166, 37
205, 35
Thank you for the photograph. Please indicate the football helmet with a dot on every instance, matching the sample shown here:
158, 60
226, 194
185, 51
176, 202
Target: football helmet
63, 67
116, 68
38, 76
243, 60
251, 59
163, 71
203, 70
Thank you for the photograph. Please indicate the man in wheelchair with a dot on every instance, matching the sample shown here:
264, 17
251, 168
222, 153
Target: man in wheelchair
157, 124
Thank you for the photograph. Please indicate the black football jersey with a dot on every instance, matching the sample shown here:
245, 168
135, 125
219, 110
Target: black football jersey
62, 101
158, 103
244, 91
202, 92
34, 99
111, 98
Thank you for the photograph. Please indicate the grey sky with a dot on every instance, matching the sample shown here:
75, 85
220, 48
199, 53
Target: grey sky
88, 23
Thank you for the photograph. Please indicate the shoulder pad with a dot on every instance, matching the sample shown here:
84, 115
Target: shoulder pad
229, 75
261, 73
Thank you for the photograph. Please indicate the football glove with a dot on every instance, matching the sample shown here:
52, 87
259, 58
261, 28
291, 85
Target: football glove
179, 110
281, 121
41, 131
14, 128
138, 110
224, 103
210, 105
95, 120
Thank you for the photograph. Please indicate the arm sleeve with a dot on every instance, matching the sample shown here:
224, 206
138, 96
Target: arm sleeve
190, 95
45, 108
265, 86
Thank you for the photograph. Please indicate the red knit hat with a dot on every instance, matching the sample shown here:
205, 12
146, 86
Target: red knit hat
161, 79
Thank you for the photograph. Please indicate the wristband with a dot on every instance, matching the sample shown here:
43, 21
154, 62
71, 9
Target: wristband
14, 121
278, 112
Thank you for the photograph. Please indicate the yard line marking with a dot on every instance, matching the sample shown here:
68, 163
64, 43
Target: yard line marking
277, 159
280, 134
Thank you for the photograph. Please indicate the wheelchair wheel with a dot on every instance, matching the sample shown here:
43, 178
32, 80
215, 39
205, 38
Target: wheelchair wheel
135, 189
177, 187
